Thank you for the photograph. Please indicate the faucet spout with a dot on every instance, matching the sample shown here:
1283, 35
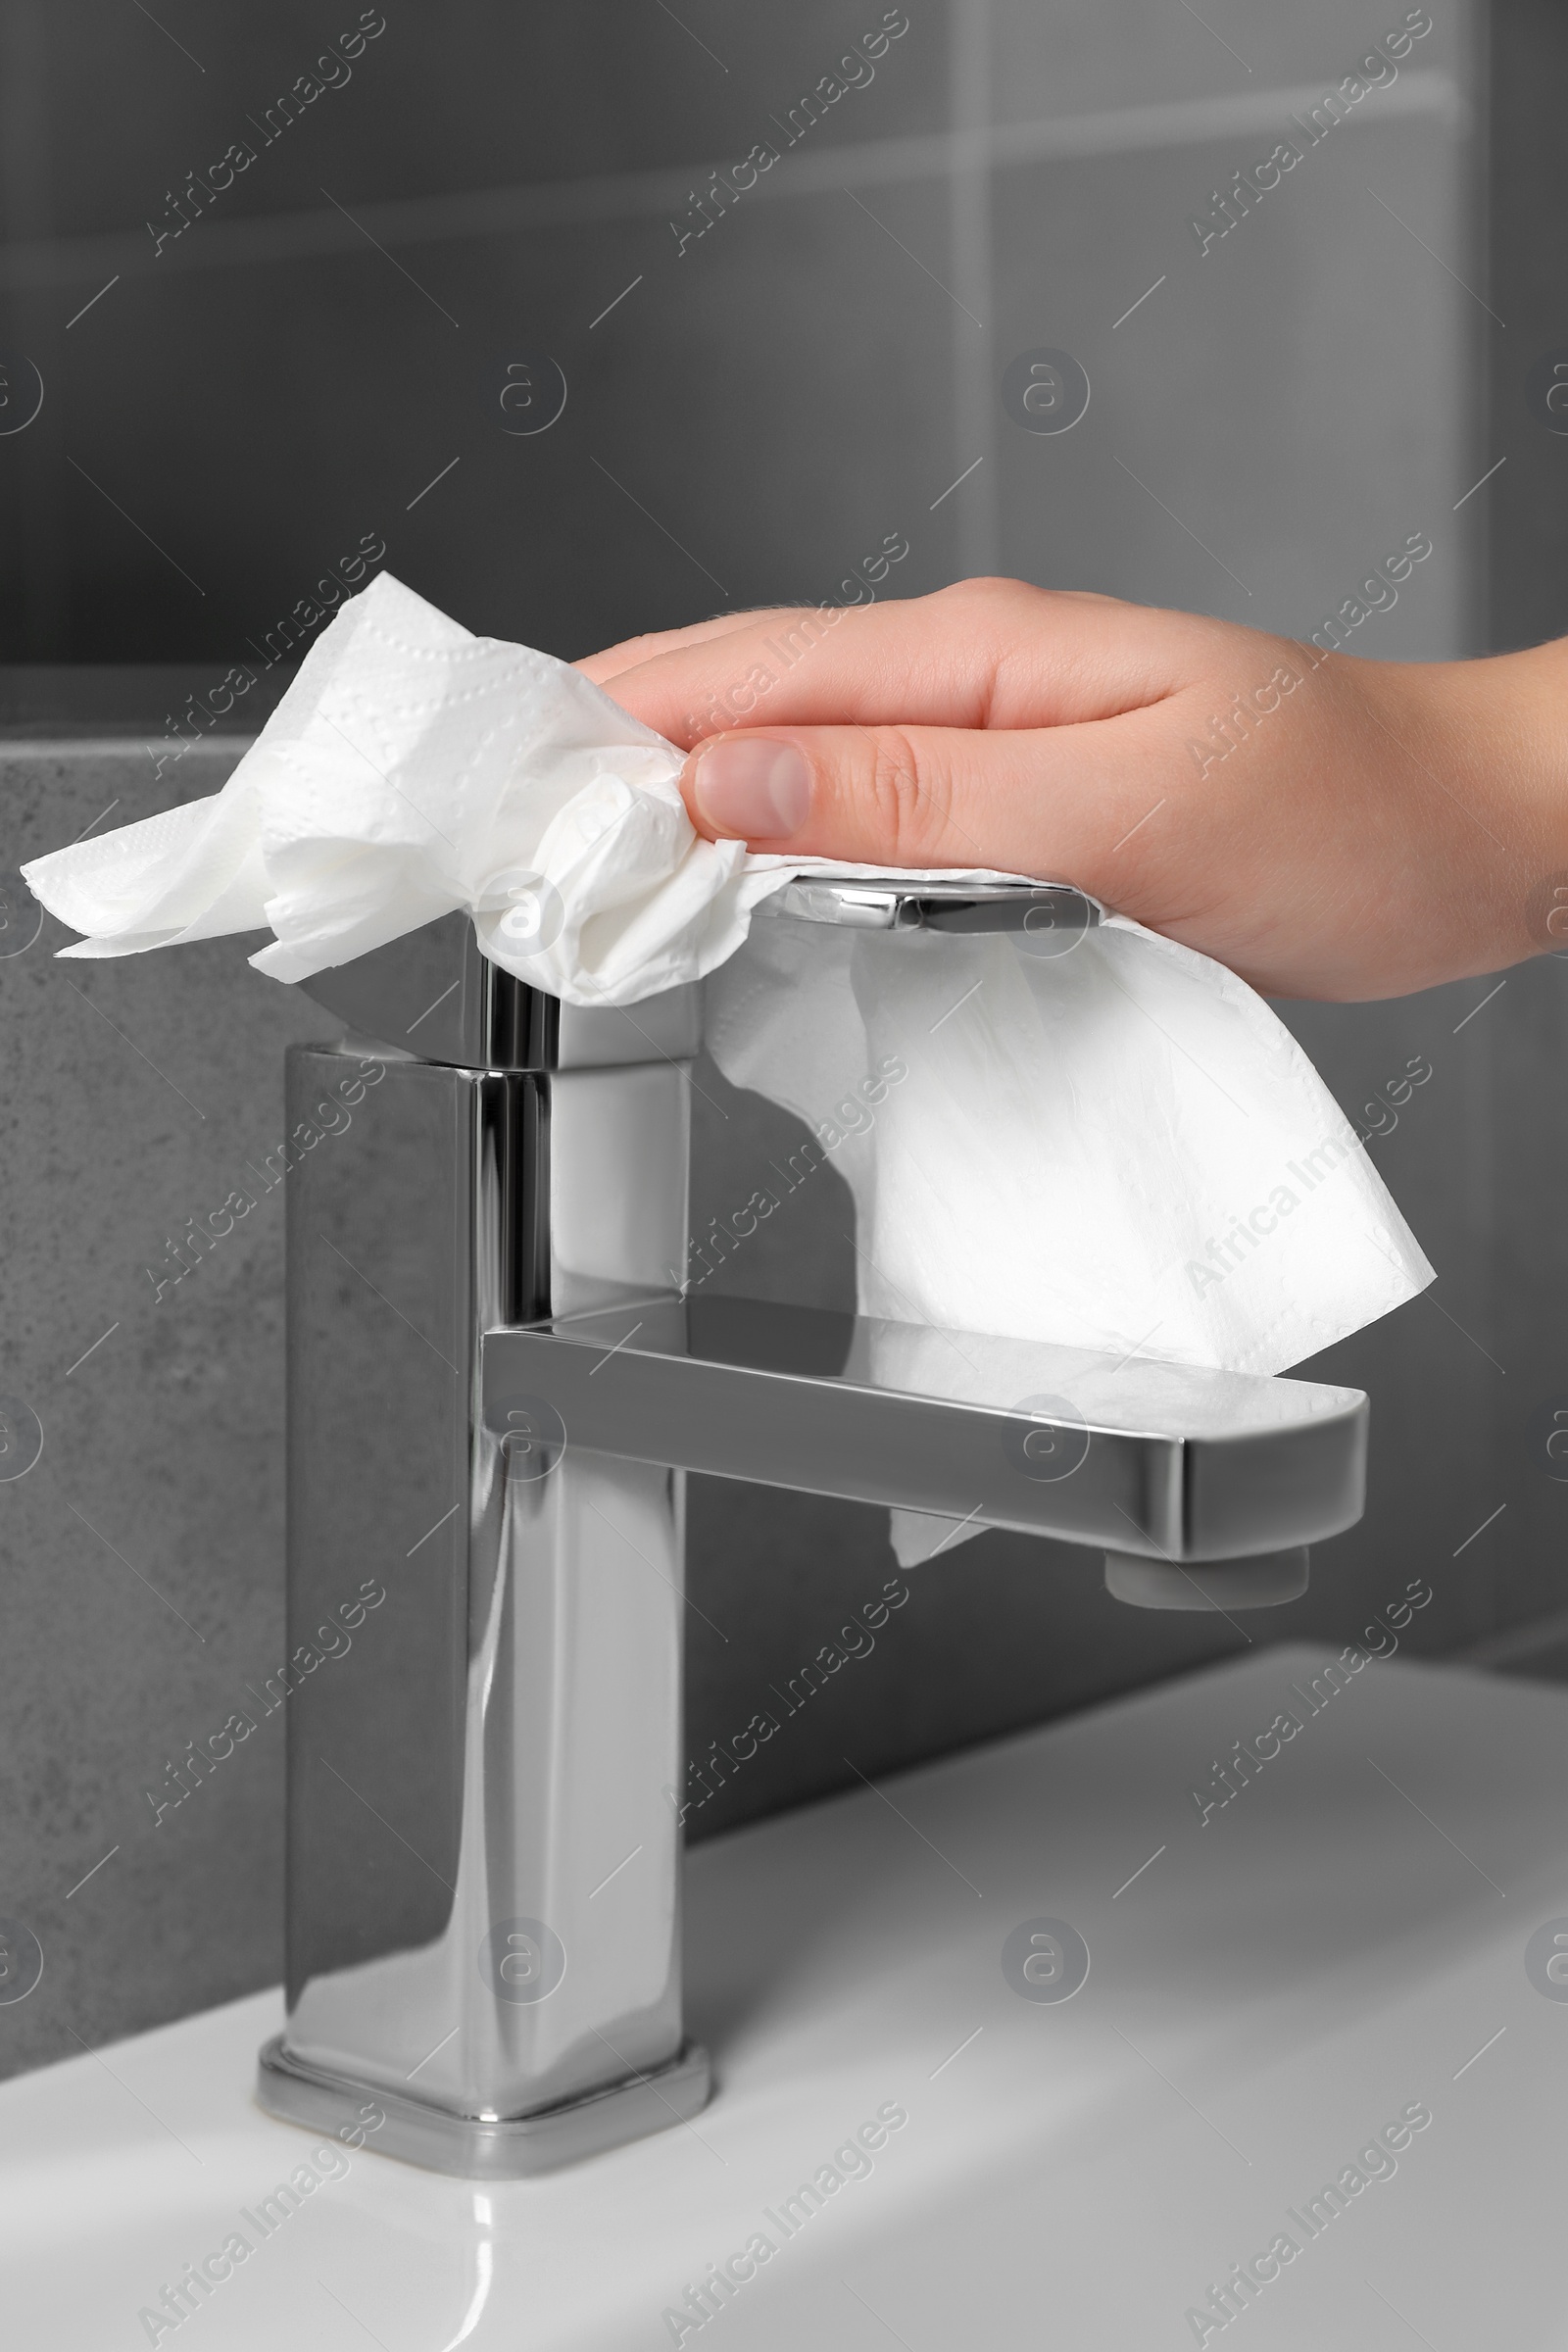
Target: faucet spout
1166, 1462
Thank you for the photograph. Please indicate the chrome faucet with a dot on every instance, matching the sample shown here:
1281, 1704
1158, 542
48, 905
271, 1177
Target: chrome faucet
494, 1395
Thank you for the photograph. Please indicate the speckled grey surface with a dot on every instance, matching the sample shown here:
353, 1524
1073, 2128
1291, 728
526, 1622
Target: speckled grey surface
140, 1557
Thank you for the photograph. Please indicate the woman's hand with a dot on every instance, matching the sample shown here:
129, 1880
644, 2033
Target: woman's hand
1328, 827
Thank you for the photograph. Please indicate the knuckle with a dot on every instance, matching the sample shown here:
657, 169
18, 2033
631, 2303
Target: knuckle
1004, 588
908, 799
991, 591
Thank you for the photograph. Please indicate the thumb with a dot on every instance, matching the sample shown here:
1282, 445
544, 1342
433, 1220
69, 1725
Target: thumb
1036, 801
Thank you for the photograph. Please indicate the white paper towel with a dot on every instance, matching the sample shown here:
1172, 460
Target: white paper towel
410, 769
1118, 1146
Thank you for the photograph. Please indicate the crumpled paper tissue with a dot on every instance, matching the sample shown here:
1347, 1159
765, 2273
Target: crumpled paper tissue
1118, 1146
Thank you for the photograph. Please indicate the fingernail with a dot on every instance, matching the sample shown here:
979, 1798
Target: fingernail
753, 789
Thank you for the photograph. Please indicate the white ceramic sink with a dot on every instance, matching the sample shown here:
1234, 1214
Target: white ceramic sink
1328, 1952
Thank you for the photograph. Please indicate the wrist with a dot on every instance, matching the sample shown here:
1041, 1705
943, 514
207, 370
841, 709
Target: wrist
1493, 734
1530, 703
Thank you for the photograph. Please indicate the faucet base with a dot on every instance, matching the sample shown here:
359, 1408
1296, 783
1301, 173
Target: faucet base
477, 2147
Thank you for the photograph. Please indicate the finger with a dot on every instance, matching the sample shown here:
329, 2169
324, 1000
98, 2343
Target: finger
1054, 802
632, 651
986, 654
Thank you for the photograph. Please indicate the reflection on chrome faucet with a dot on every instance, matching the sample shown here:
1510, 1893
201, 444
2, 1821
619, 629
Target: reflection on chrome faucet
854, 1641
329, 1640
853, 1114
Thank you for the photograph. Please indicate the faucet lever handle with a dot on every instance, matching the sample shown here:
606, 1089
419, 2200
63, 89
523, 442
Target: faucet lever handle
881, 902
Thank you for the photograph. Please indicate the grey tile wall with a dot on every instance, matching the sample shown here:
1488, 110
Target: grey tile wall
1528, 221
282, 385
1059, 60
1264, 484
752, 412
